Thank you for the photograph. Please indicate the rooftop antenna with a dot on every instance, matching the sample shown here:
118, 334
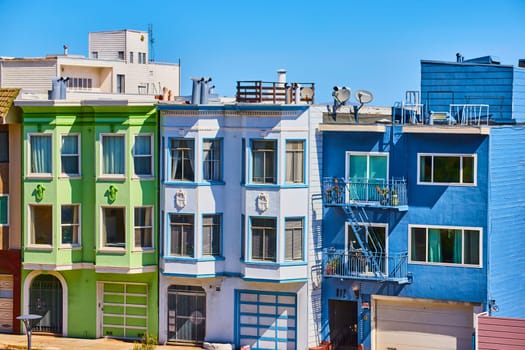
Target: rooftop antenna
341, 95
151, 42
363, 97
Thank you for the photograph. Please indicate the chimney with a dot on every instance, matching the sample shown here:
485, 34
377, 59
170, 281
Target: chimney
281, 77
196, 91
65, 49
204, 90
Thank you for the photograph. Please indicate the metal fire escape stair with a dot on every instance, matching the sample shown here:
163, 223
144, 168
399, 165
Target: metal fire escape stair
371, 248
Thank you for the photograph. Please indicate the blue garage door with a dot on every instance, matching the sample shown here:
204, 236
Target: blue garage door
266, 320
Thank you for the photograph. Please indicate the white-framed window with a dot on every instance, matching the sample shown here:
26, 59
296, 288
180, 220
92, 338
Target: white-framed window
79, 83
4, 210
120, 55
182, 153
375, 237
121, 83
294, 239
445, 245
264, 238
447, 169
365, 171
295, 161
212, 156
113, 155
182, 235
94, 54
40, 151
70, 154
264, 161
143, 227
211, 234
143, 155
131, 57
40, 224
70, 224
113, 227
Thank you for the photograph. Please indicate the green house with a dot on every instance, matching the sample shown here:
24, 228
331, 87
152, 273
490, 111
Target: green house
89, 217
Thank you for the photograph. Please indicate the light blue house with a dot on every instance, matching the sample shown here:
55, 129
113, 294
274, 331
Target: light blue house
422, 226
235, 217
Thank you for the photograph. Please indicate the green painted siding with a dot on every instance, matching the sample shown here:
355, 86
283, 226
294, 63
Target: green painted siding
78, 263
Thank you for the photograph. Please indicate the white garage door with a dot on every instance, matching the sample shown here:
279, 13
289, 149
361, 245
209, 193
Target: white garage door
266, 320
417, 325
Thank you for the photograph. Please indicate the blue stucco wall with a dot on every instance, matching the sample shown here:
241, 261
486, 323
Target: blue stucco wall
444, 83
507, 220
428, 205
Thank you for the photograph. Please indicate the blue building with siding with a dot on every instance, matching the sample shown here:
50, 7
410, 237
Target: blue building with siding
422, 216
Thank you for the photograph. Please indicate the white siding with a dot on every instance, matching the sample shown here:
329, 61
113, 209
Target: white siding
107, 44
315, 158
27, 74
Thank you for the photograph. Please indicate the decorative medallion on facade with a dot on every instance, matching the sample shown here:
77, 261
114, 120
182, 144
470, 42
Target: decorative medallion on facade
112, 193
262, 202
39, 192
180, 199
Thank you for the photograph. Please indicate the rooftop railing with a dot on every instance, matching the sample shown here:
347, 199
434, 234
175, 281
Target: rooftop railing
256, 91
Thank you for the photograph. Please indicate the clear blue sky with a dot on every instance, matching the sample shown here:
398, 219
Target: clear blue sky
374, 45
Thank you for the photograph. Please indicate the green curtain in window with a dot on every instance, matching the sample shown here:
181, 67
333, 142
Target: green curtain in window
457, 247
113, 154
3, 210
41, 154
434, 246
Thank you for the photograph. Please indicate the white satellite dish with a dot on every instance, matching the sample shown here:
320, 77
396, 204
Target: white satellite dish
341, 95
364, 96
307, 93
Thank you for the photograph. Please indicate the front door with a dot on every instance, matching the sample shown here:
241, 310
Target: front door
45, 299
186, 313
343, 324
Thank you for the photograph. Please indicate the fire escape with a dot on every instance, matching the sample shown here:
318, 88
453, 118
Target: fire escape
366, 257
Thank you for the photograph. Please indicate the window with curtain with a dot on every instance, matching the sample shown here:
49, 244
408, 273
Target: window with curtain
212, 154
70, 155
295, 162
294, 239
113, 154
70, 224
445, 245
113, 227
4, 210
447, 169
264, 161
182, 159
182, 235
40, 153
211, 234
4, 146
243, 236
143, 227
264, 239
41, 224
366, 172
143, 155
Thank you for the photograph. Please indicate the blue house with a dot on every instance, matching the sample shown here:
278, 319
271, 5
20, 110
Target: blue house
423, 216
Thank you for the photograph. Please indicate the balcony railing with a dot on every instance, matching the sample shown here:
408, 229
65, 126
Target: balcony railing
365, 192
256, 91
355, 264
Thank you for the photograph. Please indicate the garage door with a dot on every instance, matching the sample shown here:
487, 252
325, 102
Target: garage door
423, 325
6, 303
266, 320
124, 309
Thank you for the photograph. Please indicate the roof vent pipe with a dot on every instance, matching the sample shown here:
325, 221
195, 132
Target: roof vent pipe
281, 77
196, 91
65, 49
459, 58
204, 90
297, 93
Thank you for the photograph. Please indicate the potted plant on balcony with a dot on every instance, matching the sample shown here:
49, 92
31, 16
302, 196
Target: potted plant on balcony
395, 198
333, 265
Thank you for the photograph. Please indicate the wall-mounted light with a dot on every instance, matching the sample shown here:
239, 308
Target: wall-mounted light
357, 290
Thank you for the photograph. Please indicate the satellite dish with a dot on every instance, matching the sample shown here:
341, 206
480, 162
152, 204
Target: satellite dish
364, 96
307, 93
341, 95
